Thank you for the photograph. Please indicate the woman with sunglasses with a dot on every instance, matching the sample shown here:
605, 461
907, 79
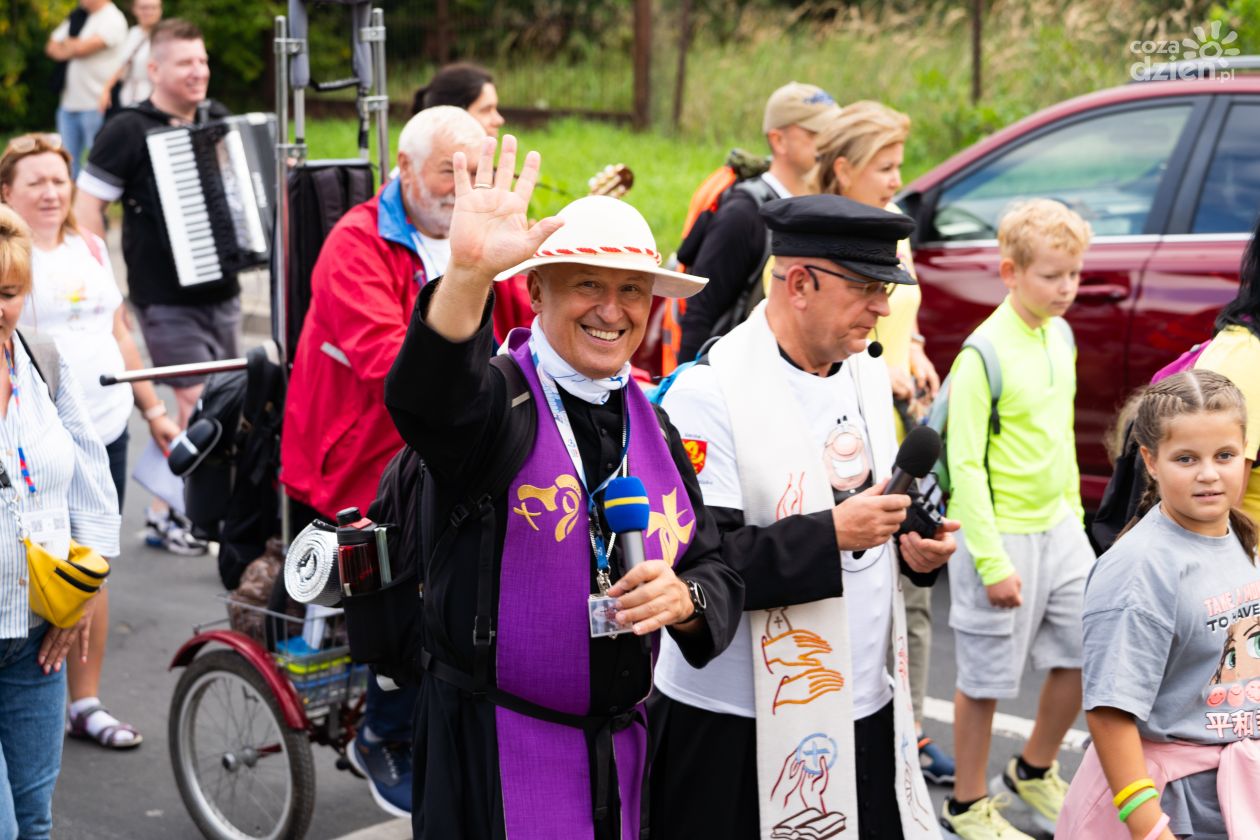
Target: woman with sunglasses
58, 474
859, 157
75, 300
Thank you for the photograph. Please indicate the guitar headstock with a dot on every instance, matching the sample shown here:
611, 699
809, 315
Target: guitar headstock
614, 180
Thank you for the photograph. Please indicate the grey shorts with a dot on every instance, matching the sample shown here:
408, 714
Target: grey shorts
991, 644
180, 335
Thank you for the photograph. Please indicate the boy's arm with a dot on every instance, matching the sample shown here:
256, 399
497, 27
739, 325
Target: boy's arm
1119, 750
967, 435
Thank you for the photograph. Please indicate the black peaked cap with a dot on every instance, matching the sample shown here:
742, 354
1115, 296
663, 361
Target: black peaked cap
831, 227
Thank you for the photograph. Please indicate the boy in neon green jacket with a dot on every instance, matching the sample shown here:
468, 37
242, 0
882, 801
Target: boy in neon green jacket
1017, 581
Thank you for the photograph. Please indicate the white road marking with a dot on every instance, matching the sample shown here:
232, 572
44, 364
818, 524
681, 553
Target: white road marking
1009, 726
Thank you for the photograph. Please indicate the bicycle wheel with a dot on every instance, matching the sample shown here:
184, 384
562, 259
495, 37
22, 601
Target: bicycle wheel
242, 773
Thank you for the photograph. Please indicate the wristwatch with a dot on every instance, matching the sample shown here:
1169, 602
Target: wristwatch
699, 602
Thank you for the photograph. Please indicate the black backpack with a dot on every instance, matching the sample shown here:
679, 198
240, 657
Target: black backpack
229, 491
320, 193
385, 627
753, 290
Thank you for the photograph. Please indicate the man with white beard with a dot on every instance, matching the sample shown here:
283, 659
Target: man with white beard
337, 436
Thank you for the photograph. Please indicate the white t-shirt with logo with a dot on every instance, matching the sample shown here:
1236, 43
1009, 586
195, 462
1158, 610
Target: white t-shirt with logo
73, 299
86, 77
834, 414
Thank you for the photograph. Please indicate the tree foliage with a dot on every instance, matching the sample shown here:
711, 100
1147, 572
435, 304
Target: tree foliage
26, 97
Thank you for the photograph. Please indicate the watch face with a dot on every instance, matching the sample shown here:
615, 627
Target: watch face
697, 596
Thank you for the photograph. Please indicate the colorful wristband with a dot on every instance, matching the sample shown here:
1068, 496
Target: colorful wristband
1129, 790
1158, 828
1136, 802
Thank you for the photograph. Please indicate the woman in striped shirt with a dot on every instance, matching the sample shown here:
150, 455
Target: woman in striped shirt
58, 473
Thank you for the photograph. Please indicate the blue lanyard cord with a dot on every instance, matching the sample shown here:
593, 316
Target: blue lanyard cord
561, 418
23, 464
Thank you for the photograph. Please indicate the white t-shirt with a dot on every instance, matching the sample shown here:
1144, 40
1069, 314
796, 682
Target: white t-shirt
86, 77
435, 254
836, 423
73, 299
134, 59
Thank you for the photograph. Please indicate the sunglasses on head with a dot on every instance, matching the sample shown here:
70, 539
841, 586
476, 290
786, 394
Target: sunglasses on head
30, 142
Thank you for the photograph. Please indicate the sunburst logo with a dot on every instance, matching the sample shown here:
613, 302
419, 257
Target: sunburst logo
1208, 45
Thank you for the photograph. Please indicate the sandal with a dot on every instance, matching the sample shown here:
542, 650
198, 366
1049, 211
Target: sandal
109, 737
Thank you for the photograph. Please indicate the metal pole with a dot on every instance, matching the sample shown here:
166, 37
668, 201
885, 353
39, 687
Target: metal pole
380, 98
286, 153
172, 371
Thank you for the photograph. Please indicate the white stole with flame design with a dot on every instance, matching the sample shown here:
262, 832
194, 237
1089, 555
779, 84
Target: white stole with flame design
801, 654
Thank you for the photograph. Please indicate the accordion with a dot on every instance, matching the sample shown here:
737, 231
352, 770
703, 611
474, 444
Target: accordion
216, 183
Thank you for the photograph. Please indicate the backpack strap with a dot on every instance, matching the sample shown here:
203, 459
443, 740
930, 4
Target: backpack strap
514, 438
94, 245
993, 373
46, 359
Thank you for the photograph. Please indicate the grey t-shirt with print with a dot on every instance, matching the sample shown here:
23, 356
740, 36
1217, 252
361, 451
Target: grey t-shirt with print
1172, 636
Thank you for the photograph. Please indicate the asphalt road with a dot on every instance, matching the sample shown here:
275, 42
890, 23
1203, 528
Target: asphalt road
157, 597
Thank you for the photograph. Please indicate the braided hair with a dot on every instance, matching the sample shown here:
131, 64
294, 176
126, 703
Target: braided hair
1188, 392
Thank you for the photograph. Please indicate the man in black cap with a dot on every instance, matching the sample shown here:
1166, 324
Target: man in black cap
798, 729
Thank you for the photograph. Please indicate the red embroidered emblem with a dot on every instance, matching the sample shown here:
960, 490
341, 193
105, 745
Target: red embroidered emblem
697, 451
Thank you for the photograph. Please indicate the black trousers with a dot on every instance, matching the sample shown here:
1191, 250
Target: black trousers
704, 774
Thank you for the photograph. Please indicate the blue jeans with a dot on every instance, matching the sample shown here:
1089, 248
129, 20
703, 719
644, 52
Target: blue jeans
31, 732
78, 130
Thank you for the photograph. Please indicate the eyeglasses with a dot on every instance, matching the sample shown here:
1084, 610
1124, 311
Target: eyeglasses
863, 288
30, 142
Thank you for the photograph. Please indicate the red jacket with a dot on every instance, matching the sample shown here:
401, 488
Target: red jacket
337, 436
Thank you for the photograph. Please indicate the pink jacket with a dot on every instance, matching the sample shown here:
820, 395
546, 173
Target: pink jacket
1089, 812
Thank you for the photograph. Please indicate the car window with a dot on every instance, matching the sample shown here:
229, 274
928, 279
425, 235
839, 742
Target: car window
1230, 198
1107, 168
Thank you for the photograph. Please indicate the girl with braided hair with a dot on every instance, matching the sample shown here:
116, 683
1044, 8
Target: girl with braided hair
1174, 753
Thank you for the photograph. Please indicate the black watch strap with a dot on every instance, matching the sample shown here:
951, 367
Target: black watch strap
699, 602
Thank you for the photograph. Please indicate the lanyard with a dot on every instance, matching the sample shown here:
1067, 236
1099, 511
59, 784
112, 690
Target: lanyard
17, 404
561, 417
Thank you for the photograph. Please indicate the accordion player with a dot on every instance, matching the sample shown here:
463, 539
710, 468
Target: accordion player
216, 184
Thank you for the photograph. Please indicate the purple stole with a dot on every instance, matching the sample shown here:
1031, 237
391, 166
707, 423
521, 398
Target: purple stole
544, 629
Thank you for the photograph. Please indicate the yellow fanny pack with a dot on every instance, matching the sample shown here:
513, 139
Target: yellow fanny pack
61, 588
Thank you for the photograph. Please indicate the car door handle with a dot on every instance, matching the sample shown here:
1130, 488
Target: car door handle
1102, 293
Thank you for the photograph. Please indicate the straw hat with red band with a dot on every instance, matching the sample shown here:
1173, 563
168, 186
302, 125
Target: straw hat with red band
608, 233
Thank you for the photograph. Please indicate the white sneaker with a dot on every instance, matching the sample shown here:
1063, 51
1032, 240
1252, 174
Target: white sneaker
172, 532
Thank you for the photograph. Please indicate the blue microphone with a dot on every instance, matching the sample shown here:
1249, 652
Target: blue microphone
626, 509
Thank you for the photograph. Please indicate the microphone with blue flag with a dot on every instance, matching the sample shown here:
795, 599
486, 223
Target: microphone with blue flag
626, 509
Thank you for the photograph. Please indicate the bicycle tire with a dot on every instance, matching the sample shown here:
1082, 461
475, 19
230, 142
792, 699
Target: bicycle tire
224, 674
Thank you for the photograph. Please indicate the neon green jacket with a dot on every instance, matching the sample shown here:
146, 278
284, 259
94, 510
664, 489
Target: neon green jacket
1031, 470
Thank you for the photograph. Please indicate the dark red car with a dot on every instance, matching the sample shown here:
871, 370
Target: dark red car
1168, 175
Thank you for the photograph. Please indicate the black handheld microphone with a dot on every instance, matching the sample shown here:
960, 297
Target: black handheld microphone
915, 459
875, 349
626, 509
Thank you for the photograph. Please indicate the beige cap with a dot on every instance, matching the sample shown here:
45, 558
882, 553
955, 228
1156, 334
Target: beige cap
808, 106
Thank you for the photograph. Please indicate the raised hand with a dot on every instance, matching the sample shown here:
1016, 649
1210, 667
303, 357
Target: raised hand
489, 229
